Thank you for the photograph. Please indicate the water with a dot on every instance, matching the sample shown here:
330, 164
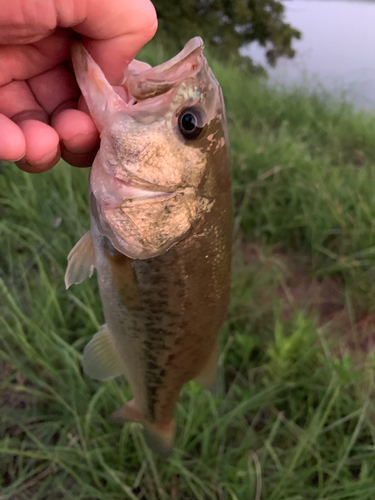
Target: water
337, 48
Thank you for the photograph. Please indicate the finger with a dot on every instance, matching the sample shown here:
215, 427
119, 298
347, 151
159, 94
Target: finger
21, 62
41, 141
57, 92
78, 135
42, 146
12, 140
27, 21
115, 30
55, 89
17, 102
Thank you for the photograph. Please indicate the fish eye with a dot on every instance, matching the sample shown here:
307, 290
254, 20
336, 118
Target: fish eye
190, 123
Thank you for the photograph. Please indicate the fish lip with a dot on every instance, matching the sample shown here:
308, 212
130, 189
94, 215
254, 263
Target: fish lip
142, 185
160, 79
113, 190
112, 185
143, 190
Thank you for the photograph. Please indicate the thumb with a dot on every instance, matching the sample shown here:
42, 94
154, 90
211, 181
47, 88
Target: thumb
115, 31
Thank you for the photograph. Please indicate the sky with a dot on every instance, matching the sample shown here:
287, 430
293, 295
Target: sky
337, 48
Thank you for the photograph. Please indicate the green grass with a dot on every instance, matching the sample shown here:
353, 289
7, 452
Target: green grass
295, 419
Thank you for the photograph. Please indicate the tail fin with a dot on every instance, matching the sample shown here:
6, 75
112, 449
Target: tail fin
159, 438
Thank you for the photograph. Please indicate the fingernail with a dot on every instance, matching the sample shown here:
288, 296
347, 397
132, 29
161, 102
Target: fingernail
45, 159
12, 159
81, 143
18, 159
42, 164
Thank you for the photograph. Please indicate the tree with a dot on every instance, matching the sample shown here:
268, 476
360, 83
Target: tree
227, 25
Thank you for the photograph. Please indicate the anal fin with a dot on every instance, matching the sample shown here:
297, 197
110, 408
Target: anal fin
100, 359
81, 261
207, 377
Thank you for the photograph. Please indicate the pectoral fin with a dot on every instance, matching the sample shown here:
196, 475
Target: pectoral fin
207, 377
100, 358
81, 261
159, 438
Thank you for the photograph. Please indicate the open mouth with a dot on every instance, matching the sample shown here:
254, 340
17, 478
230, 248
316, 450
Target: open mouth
145, 91
144, 82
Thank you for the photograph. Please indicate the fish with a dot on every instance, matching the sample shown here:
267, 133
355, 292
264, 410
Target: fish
160, 233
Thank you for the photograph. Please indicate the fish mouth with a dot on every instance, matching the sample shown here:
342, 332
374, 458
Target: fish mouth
141, 83
134, 192
144, 90
141, 218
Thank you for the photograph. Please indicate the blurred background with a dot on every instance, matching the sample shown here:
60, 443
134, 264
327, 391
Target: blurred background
294, 418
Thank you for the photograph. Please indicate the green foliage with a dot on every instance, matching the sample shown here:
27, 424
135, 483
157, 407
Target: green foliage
292, 346
227, 25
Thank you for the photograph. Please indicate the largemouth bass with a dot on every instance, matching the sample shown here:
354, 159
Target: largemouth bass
161, 228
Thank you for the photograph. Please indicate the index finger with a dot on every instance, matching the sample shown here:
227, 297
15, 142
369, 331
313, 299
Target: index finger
115, 31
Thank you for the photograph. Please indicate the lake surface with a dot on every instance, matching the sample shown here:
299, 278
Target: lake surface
337, 48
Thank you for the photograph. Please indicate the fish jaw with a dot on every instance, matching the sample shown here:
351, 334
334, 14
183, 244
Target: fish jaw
101, 98
152, 82
141, 81
139, 141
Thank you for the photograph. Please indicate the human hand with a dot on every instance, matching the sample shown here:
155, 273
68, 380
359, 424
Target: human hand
41, 116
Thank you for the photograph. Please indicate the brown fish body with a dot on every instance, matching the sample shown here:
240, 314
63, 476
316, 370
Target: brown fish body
164, 309
170, 310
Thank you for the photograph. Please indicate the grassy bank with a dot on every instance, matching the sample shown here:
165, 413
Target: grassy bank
295, 419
